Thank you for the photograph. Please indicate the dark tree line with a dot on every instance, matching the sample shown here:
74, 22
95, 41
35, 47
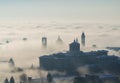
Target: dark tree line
11, 80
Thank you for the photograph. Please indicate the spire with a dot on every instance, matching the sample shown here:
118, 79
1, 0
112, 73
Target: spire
83, 34
83, 39
59, 40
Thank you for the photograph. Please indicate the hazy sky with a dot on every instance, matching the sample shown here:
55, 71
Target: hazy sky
61, 10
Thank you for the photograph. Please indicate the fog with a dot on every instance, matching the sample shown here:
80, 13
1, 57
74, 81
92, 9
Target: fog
26, 52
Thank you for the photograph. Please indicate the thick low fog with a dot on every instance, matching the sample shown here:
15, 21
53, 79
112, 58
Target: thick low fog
26, 52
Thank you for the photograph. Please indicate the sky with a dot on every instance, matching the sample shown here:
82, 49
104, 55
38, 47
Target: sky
99, 11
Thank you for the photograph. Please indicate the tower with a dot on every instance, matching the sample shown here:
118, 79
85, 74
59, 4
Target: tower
59, 40
74, 46
83, 39
44, 41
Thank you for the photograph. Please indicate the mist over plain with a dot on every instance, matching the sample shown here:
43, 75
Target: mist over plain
26, 53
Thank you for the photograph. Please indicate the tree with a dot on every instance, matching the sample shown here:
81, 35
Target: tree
12, 80
79, 80
6, 81
11, 62
23, 77
49, 78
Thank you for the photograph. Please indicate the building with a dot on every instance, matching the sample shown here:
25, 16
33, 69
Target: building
69, 61
44, 41
59, 40
83, 39
74, 46
97, 79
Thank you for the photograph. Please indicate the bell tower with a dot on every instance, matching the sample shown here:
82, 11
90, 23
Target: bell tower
83, 39
44, 41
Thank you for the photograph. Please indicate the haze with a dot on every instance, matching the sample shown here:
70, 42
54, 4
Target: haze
96, 11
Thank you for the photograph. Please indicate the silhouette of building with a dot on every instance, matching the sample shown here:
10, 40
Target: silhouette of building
59, 40
44, 41
71, 60
83, 39
74, 46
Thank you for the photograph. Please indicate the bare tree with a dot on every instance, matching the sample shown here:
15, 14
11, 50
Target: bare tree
23, 77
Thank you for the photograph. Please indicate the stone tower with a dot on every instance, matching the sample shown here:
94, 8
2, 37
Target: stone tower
44, 41
83, 39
